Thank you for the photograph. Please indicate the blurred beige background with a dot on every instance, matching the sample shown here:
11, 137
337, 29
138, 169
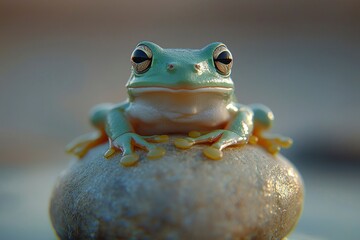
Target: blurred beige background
301, 58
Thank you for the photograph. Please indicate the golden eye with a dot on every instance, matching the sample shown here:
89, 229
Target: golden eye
141, 59
223, 60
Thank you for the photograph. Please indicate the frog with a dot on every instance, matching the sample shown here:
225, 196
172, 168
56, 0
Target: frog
179, 91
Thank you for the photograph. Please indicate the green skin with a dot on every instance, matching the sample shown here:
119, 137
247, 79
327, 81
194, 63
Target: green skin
181, 91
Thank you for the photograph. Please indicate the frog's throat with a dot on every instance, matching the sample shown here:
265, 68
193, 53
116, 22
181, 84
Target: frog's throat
139, 90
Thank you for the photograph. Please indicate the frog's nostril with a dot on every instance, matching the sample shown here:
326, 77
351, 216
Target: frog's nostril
197, 67
170, 66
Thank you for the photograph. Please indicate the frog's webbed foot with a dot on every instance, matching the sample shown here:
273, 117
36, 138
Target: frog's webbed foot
127, 142
271, 142
82, 144
220, 139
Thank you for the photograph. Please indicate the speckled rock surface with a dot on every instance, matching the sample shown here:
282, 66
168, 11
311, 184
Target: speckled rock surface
249, 194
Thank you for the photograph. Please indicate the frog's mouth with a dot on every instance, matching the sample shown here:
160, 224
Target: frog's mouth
135, 91
195, 107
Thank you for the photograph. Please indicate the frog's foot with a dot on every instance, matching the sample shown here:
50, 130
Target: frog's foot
273, 143
220, 139
82, 144
127, 142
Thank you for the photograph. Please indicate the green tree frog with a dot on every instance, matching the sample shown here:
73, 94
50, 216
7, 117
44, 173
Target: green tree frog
177, 91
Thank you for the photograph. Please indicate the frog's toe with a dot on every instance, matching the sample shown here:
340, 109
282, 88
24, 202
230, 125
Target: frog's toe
156, 152
109, 152
71, 149
285, 142
194, 134
84, 141
273, 149
273, 143
79, 152
253, 139
77, 148
183, 143
129, 160
213, 153
161, 138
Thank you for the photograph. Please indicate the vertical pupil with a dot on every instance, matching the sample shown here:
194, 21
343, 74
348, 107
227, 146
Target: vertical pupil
224, 57
139, 56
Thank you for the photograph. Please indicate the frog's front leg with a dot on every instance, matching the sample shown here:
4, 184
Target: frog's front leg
263, 119
122, 137
237, 132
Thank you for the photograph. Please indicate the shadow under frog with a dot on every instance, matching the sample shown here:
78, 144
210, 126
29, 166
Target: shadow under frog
174, 91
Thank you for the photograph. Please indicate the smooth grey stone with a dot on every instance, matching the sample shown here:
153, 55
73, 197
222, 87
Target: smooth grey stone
249, 194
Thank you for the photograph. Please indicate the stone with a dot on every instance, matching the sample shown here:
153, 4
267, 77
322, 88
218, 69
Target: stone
249, 194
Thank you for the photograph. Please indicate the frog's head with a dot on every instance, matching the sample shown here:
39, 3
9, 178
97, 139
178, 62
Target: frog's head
170, 70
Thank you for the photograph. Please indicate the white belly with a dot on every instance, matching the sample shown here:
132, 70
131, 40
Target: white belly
180, 112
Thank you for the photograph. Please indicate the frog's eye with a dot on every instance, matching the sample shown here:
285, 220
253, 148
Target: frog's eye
141, 59
223, 60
